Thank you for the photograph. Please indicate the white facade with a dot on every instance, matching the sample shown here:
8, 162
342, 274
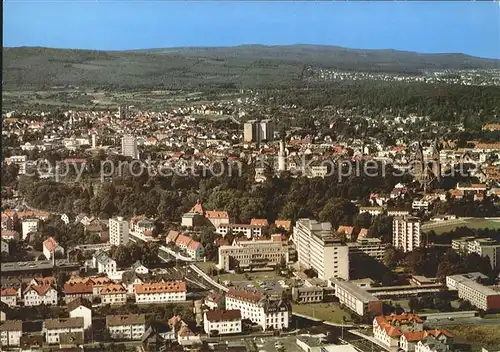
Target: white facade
478, 295
82, 312
318, 249
29, 225
224, 322
9, 297
118, 231
10, 333
406, 233
104, 263
126, 327
54, 327
36, 295
261, 310
129, 147
160, 292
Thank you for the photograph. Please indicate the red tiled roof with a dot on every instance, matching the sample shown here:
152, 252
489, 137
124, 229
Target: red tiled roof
244, 295
161, 287
183, 240
40, 290
112, 289
214, 214
259, 222
8, 292
77, 288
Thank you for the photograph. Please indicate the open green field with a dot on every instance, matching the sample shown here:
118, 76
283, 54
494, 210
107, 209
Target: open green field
325, 311
474, 223
477, 335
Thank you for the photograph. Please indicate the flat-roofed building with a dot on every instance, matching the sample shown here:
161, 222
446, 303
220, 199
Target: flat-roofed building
372, 247
313, 294
319, 249
470, 290
485, 247
357, 299
406, 233
253, 253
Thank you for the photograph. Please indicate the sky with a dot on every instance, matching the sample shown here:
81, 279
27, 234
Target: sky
428, 26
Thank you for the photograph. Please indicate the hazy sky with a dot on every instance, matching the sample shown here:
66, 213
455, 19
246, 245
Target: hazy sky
429, 26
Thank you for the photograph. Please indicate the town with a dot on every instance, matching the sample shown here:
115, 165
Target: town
182, 230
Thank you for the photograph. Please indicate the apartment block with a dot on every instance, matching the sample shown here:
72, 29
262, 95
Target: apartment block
406, 233
319, 249
482, 246
247, 230
126, 327
222, 322
129, 147
10, 333
161, 292
267, 312
258, 131
356, 299
118, 231
254, 253
54, 328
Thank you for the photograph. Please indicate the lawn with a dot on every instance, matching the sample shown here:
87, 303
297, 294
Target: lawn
324, 311
477, 334
206, 266
474, 223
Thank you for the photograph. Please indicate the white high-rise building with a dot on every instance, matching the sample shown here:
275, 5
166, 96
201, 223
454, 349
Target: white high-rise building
281, 157
94, 141
319, 249
258, 131
118, 231
129, 147
406, 233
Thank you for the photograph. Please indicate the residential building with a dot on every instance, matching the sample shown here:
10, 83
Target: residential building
161, 292
7, 223
10, 333
406, 233
8, 235
247, 230
320, 250
222, 322
126, 327
9, 296
260, 309
372, 247
74, 290
104, 264
28, 226
118, 231
253, 253
193, 248
81, 308
431, 344
54, 328
258, 131
129, 147
357, 299
470, 290
43, 294
214, 301
388, 329
52, 248
409, 340
373, 211
114, 294
485, 247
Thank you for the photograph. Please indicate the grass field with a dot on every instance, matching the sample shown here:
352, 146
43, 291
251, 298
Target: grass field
324, 311
474, 223
478, 334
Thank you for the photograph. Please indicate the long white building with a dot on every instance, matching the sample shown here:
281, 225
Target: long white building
406, 233
319, 249
260, 309
222, 322
53, 328
126, 327
253, 253
161, 292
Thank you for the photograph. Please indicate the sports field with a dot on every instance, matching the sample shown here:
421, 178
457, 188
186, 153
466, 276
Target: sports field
473, 223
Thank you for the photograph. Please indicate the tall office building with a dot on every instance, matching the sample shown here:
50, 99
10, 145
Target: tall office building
258, 131
319, 249
118, 231
406, 233
129, 147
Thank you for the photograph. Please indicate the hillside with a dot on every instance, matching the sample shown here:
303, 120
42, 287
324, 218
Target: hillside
241, 66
